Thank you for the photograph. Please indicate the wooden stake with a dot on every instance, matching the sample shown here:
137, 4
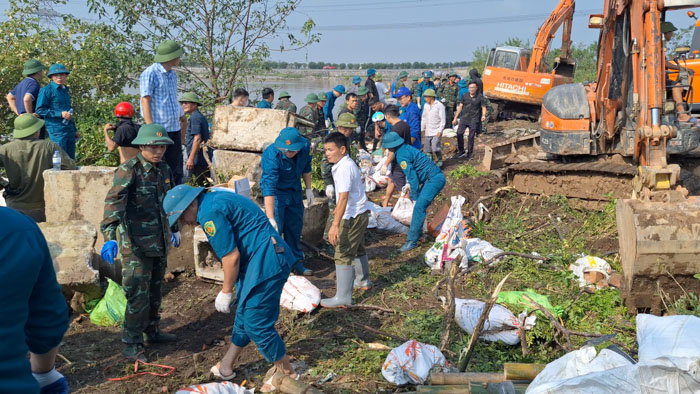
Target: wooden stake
450, 310
437, 378
564, 332
480, 324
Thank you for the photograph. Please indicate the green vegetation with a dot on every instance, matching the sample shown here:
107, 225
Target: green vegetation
468, 171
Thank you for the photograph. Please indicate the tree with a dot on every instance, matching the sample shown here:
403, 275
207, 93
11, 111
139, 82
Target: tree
224, 41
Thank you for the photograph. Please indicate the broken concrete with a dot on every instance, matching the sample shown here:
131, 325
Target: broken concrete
232, 163
206, 264
246, 128
71, 245
315, 218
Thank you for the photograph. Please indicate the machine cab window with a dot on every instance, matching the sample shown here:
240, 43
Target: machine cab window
510, 58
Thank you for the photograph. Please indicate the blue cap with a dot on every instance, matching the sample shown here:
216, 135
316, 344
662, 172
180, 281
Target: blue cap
371, 72
178, 199
462, 83
290, 139
403, 91
340, 89
356, 79
392, 140
378, 116
58, 69
428, 74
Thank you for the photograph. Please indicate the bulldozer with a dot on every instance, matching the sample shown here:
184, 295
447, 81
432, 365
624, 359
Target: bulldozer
614, 138
516, 79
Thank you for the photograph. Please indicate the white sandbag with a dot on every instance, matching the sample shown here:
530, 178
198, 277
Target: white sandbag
215, 388
449, 244
668, 336
299, 294
411, 363
589, 263
454, 215
480, 250
449, 133
468, 312
370, 184
380, 218
380, 180
403, 210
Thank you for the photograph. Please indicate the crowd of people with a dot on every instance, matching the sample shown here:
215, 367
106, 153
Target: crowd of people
148, 202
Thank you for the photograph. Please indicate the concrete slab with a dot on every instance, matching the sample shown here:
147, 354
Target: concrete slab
230, 163
71, 244
246, 128
206, 264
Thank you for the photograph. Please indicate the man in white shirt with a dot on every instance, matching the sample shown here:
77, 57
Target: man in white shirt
347, 232
381, 88
432, 124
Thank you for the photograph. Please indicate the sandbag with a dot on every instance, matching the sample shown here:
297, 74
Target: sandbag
110, 310
403, 210
480, 250
668, 336
380, 218
298, 294
412, 362
588, 264
225, 387
468, 312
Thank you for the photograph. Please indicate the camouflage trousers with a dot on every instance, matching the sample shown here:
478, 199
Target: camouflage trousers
141, 278
449, 115
489, 111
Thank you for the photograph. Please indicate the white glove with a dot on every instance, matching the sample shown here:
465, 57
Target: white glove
223, 302
175, 239
274, 224
383, 170
310, 199
328, 123
330, 191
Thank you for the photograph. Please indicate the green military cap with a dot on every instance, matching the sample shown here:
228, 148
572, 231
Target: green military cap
26, 125
311, 98
283, 94
452, 74
347, 120
378, 78
361, 91
415, 78
402, 74
152, 134
167, 51
430, 93
322, 96
32, 66
190, 97
667, 27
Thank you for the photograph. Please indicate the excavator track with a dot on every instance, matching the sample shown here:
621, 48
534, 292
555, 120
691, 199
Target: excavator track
592, 180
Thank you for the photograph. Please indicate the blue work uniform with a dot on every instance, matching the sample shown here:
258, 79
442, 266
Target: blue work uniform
411, 115
234, 222
36, 314
421, 88
264, 104
328, 107
53, 100
28, 86
426, 182
281, 179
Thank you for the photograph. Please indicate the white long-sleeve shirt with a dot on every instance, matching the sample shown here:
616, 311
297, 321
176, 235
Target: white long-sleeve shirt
433, 119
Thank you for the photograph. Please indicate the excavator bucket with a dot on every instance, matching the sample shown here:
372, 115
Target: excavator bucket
659, 249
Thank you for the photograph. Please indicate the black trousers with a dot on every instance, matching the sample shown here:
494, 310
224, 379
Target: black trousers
173, 156
474, 128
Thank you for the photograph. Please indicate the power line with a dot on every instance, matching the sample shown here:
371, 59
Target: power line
390, 4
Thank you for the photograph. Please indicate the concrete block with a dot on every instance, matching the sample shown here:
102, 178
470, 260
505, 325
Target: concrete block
71, 244
315, 218
247, 128
206, 264
233, 163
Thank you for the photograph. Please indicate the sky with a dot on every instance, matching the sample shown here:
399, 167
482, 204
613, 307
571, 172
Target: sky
394, 31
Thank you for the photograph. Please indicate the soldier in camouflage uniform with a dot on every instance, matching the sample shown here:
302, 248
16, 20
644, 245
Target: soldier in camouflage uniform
362, 114
414, 85
448, 94
134, 217
310, 113
319, 111
284, 103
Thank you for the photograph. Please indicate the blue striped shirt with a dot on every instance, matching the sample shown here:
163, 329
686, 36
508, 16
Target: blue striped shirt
161, 86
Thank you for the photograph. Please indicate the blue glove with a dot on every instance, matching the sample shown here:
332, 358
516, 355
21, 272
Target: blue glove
109, 251
175, 239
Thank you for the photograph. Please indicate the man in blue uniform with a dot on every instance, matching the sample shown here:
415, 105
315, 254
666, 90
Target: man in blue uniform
426, 84
410, 114
330, 103
424, 178
54, 106
268, 96
36, 314
253, 256
24, 95
283, 163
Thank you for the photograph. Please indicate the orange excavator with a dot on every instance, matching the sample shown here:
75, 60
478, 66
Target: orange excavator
516, 80
613, 138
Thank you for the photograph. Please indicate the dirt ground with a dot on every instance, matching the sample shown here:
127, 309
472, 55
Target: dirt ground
335, 341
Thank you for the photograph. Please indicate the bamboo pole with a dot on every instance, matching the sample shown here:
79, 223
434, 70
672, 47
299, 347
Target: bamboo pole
521, 371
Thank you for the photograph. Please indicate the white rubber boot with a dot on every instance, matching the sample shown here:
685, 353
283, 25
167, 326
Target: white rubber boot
344, 276
361, 265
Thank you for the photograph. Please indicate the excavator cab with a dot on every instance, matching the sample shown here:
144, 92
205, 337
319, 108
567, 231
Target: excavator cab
510, 58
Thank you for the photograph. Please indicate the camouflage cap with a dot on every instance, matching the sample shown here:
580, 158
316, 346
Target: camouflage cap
152, 134
347, 120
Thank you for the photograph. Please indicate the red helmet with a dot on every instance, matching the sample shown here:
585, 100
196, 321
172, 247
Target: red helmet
124, 110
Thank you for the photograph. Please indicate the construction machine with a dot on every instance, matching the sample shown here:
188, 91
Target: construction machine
613, 138
687, 66
516, 79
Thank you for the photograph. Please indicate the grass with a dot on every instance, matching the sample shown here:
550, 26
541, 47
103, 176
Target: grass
466, 170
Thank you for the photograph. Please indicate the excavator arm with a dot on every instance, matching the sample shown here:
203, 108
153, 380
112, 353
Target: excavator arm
562, 14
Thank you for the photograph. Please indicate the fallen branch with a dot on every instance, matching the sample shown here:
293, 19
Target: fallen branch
450, 310
494, 194
556, 227
560, 327
317, 250
212, 172
370, 307
480, 324
68, 362
379, 332
492, 261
